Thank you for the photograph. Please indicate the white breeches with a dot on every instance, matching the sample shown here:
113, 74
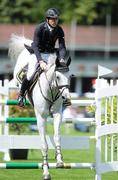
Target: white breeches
49, 58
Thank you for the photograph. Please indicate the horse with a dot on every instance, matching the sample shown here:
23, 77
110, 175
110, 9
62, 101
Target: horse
47, 96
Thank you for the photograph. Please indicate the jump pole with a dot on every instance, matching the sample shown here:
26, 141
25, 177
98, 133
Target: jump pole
11, 102
74, 102
33, 120
51, 166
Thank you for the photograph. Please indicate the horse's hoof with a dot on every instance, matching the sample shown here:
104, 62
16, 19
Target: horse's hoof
47, 177
59, 165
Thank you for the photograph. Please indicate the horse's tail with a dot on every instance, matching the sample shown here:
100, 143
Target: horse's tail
16, 45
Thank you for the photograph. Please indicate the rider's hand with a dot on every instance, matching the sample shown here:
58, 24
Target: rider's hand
62, 60
43, 65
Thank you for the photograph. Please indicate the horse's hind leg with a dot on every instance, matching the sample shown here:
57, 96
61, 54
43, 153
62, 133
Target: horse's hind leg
44, 146
57, 139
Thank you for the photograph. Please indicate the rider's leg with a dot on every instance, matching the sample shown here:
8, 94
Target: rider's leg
24, 87
51, 59
26, 81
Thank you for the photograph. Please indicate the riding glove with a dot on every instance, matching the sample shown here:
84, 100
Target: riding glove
62, 60
43, 65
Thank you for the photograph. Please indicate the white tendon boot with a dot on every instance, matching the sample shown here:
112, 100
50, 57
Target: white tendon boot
59, 157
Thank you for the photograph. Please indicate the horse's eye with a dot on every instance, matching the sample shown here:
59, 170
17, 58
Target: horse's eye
58, 78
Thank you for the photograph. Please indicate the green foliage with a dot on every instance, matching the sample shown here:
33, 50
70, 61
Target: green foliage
111, 113
106, 114
16, 111
16, 11
84, 11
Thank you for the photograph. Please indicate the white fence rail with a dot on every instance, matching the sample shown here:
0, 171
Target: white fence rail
106, 128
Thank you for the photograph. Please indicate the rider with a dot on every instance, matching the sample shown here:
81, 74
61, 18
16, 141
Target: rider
45, 37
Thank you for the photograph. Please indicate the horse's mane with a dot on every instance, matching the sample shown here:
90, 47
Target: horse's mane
16, 45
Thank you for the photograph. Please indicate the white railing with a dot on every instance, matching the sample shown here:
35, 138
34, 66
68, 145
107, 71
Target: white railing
106, 128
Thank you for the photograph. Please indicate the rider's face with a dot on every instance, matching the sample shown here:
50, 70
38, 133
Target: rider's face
53, 22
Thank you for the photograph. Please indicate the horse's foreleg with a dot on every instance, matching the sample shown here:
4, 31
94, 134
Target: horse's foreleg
57, 139
44, 146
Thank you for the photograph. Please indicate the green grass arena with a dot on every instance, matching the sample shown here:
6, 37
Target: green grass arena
70, 156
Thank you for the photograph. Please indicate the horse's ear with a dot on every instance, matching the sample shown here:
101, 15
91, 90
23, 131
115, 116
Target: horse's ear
68, 61
57, 62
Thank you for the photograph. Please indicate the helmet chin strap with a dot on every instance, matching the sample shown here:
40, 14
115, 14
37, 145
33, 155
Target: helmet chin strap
49, 24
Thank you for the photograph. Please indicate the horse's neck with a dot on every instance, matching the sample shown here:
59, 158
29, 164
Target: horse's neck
50, 71
48, 75
45, 80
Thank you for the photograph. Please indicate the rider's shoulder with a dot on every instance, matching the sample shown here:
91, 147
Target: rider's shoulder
41, 26
60, 29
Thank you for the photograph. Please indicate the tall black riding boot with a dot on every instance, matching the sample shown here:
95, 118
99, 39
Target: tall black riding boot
21, 97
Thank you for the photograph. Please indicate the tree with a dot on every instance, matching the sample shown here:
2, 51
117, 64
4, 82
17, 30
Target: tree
84, 11
16, 11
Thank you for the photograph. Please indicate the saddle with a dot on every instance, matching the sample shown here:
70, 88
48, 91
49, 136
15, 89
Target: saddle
22, 74
29, 48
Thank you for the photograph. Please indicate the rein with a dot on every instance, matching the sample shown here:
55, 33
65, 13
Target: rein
53, 97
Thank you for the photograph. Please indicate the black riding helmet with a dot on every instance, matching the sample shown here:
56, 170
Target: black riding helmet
52, 13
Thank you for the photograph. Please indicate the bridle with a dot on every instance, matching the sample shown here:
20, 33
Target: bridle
54, 96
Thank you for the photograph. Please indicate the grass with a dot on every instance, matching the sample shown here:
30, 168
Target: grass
59, 174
